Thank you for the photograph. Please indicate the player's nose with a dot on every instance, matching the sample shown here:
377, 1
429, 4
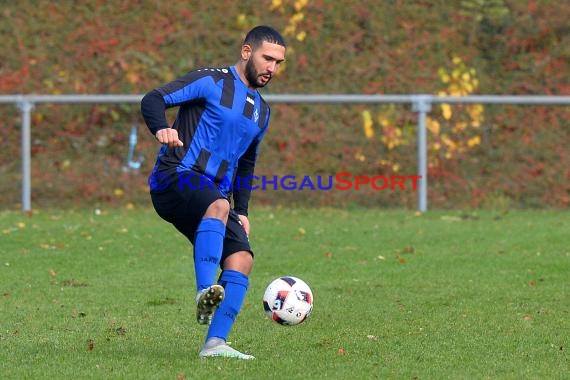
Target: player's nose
271, 67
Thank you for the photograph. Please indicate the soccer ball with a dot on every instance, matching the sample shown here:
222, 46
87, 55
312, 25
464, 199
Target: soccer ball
288, 300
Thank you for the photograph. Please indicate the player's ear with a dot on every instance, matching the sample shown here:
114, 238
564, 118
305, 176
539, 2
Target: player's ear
246, 52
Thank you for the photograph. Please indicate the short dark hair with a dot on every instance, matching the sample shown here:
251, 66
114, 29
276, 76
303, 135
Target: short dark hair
261, 33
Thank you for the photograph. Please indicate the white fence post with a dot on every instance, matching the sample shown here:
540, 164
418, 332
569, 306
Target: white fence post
26, 107
422, 105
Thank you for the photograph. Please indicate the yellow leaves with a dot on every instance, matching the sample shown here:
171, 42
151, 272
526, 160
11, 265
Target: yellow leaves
132, 77
459, 127
443, 75
169, 75
449, 142
279, 5
460, 121
433, 125
389, 164
297, 18
391, 134
446, 111
276, 4
115, 116
289, 29
454, 128
367, 124
475, 112
295, 9
392, 137
474, 141
462, 79
455, 74
300, 4
241, 20
360, 157
383, 120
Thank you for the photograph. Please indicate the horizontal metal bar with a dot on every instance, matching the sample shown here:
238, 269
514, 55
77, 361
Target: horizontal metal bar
338, 98
70, 98
313, 98
427, 98
503, 99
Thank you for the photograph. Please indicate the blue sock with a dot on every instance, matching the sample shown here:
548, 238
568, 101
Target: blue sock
235, 285
208, 251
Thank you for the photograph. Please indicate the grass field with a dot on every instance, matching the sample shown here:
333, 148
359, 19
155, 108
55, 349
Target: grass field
443, 295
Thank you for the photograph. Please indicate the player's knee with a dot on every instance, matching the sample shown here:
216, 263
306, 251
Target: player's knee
219, 209
240, 261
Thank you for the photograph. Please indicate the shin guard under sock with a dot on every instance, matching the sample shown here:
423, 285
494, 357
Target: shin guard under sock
208, 251
235, 285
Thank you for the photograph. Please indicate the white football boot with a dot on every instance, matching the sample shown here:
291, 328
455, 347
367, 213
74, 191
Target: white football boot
216, 347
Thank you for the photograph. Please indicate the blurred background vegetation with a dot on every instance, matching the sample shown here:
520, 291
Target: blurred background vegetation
479, 155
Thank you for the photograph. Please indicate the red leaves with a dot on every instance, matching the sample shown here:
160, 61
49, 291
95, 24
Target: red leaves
11, 80
102, 46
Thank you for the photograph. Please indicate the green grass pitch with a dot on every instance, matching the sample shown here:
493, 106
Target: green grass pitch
443, 295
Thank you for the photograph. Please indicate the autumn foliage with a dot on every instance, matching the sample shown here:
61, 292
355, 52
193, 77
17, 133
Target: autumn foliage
479, 155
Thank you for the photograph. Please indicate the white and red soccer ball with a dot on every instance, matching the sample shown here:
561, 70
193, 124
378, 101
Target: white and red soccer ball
288, 300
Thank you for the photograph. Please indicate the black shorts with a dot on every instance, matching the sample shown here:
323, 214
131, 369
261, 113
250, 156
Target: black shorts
184, 206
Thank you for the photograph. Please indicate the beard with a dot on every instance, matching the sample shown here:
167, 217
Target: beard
252, 75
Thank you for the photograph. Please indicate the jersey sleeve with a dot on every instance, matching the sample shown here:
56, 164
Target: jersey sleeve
187, 88
152, 110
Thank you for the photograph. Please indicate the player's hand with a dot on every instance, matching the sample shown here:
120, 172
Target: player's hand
169, 137
245, 223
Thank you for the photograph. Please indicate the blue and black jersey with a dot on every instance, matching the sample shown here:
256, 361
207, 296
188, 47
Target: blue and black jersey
220, 121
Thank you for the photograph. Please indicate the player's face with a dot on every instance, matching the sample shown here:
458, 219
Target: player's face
263, 63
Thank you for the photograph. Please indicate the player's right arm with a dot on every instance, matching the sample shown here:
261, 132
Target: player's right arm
154, 104
152, 109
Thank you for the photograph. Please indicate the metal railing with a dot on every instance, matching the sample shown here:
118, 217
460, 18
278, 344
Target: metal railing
421, 103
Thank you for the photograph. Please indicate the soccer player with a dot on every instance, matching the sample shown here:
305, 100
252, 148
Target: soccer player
205, 157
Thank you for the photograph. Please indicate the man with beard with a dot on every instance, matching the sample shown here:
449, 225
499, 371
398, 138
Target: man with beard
207, 160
